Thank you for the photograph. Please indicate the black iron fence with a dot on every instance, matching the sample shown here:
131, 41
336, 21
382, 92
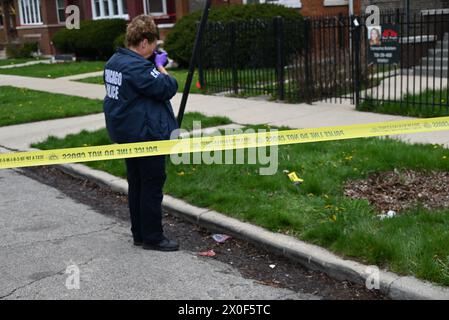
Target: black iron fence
250, 58
295, 61
331, 59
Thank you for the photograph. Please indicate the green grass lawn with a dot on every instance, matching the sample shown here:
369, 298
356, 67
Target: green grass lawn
206, 122
425, 105
5, 62
94, 80
250, 82
23, 105
245, 79
56, 70
179, 74
19, 105
412, 243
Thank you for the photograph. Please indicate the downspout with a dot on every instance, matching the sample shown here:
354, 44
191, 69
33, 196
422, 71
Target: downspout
351, 7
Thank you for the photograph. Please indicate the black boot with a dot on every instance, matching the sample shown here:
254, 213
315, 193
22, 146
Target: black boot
164, 245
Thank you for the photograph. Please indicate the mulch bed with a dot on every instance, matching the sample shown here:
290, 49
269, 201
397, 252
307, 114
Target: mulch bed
401, 190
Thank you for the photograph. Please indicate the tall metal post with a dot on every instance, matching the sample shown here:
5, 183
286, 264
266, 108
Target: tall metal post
193, 61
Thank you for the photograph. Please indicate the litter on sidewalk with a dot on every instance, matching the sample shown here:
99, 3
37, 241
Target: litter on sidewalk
221, 238
208, 253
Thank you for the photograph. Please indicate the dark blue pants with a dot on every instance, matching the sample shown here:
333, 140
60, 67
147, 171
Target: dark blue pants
146, 178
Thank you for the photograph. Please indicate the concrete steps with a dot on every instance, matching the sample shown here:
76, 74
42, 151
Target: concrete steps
436, 62
439, 53
442, 44
437, 71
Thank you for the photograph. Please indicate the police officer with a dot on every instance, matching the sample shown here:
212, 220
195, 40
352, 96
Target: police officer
137, 108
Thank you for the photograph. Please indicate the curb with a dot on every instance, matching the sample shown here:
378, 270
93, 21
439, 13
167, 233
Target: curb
308, 255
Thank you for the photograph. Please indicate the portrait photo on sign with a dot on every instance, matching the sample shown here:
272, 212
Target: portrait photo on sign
374, 35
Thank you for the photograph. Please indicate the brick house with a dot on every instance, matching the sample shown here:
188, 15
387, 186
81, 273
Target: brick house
305, 7
415, 5
39, 20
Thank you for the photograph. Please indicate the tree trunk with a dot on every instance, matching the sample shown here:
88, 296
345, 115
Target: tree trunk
6, 19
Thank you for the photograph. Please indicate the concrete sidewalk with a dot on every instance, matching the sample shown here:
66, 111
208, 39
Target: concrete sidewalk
81, 76
240, 111
393, 88
40, 239
19, 137
25, 64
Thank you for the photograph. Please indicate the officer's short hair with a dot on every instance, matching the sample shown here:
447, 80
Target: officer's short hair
140, 28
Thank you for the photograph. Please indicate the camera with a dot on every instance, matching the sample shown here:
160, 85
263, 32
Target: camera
158, 50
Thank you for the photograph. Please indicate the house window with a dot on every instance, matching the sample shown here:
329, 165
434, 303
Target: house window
331, 3
286, 3
115, 7
125, 7
30, 12
156, 7
104, 9
60, 8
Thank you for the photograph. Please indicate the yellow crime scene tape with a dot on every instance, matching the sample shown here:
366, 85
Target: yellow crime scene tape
216, 143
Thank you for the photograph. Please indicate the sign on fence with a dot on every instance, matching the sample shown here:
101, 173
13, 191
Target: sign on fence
383, 44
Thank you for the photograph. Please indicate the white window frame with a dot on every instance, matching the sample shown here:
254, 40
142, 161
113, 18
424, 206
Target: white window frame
334, 3
147, 10
57, 11
101, 15
30, 17
285, 3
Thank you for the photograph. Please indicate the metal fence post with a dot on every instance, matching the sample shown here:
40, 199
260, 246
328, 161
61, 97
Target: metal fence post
201, 75
279, 34
307, 75
200, 61
356, 48
235, 80
341, 31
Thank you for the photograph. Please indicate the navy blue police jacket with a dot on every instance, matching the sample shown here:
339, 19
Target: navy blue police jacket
137, 104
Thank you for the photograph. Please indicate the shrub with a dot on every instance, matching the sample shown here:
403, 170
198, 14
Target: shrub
21, 50
180, 40
94, 40
119, 42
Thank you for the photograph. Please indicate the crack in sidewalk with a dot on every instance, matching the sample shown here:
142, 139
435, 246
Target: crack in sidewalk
60, 272
110, 226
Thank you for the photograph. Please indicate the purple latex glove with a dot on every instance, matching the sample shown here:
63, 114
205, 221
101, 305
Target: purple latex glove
161, 58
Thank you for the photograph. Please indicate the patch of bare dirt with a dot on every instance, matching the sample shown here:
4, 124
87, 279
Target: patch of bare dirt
400, 190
